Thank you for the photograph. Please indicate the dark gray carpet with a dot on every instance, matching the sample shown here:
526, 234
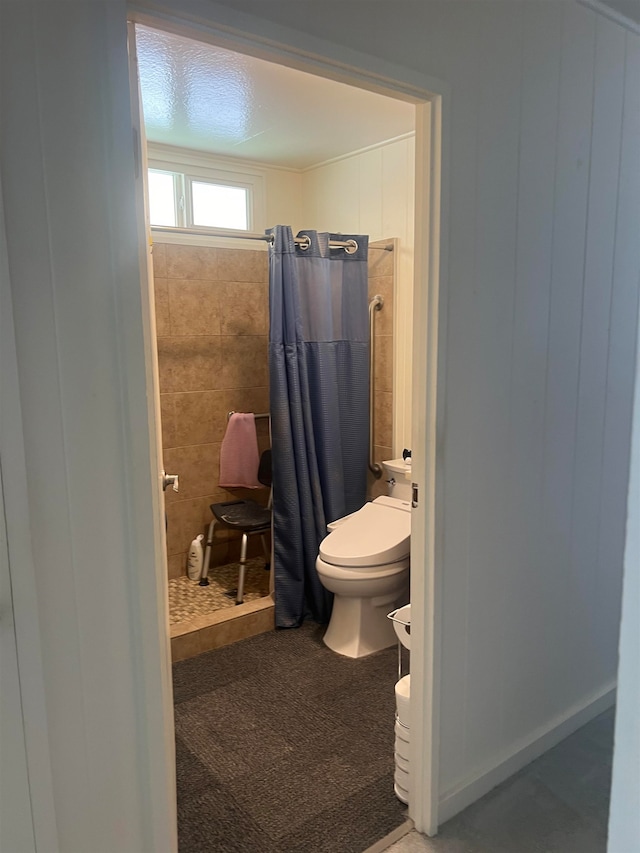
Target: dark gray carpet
285, 747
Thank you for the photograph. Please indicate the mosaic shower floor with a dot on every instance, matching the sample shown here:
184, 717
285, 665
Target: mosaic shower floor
187, 599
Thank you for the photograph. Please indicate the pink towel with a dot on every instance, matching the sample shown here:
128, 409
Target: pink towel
239, 453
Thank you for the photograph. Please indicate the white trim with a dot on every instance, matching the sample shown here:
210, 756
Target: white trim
152, 591
612, 15
525, 751
325, 59
426, 585
409, 135
275, 43
175, 154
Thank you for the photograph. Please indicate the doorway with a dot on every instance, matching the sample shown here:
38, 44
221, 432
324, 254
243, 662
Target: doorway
423, 306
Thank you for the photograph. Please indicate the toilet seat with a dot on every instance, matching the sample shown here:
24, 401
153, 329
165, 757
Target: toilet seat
376, 535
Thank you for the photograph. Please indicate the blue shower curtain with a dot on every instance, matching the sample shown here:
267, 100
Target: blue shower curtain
319, 376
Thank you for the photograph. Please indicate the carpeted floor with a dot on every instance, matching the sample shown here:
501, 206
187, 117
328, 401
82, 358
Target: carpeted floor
285, 747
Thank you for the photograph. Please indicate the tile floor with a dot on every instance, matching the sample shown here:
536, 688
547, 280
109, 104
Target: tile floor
188, 600
558, 804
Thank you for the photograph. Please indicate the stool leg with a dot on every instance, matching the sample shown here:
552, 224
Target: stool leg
243, 568
265, 548
204, 580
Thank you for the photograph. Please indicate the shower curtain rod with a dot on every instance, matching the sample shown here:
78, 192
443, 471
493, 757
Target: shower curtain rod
265, 238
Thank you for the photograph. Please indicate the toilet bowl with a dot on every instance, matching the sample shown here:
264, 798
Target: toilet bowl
364, 561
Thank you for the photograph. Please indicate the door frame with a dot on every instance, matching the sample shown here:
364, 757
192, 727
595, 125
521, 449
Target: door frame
431, 98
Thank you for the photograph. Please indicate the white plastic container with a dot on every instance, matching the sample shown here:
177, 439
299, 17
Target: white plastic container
403, 690
401, 793
401, 619
196, 555
403, 749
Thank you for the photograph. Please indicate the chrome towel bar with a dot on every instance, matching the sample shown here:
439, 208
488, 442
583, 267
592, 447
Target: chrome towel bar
256, 416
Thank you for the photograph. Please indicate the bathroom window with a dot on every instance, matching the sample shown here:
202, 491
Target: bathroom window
180, 200
163, 198
192, 189
219, 206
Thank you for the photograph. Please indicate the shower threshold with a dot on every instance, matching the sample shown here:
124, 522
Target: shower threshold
205, 618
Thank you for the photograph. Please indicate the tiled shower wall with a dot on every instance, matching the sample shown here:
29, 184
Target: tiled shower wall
212, 332
382, 281
212, 326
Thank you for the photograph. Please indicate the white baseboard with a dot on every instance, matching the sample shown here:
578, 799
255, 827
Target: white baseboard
524, 752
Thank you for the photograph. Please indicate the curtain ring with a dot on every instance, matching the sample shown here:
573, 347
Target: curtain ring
351, 248
307, 245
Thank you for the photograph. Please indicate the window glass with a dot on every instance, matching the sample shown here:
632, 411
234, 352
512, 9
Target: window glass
162, 203
219, 206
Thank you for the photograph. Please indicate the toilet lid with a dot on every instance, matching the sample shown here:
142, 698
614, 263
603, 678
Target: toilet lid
377, 534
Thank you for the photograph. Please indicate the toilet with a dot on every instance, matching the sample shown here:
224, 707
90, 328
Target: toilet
364, 561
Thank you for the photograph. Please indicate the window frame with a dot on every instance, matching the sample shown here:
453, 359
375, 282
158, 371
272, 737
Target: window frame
186, 166
188, 180
178, 196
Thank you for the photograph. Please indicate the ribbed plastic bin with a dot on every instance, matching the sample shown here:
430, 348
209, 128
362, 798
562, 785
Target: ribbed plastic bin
401, 619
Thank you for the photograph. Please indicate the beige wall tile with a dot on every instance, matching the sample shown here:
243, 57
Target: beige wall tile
383, 368
383, 318
198, 469
244, 308
376, 487
189, 363
219, 555
167, 420
194, 307
185, 520
195, 262
244, 361
380, 262
242, 265
161, 299
175, 542
200, 417
177, 565
383, 411
159, 259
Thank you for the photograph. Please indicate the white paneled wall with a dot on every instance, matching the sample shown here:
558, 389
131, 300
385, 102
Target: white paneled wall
540, 310
533, 522
372, 192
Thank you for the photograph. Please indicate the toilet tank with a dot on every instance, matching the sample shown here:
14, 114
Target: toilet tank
398, 477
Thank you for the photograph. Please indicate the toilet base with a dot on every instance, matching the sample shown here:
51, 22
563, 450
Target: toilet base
359, 626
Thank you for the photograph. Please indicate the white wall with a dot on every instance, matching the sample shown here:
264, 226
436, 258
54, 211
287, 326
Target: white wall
372, 192
68, 179
539, 308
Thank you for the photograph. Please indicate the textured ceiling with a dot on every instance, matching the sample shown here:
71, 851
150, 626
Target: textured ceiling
206, 98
